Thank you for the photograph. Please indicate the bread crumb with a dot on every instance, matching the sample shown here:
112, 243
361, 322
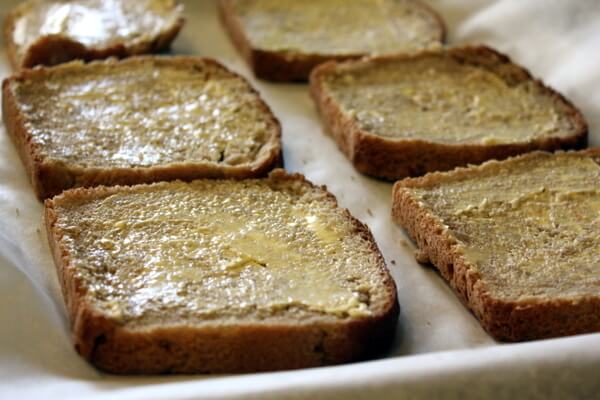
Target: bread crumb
393, 262
404, 243
369, 212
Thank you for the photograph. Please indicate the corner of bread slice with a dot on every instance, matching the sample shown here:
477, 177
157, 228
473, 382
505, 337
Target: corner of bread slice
47, 179
225, 343
276, 66
88, 326
525, 318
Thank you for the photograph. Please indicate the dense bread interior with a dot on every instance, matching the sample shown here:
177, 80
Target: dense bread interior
93, 23
449, 97
210, 249
529, 226
338, 27
143, 112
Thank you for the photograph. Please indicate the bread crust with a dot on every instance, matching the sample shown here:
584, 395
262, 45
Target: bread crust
56, 49
520, 320
217, 347
392, 159
287, 66
50, 177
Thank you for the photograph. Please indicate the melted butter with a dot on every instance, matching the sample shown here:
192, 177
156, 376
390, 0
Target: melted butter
325, 234
438, 99
338, 26
94, 23
531, 229
211, 249
143, 112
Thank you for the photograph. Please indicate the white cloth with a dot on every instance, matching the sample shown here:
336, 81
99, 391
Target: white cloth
440, 348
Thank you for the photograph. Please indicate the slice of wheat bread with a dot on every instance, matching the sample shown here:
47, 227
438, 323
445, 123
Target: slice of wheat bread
219, 276
143, 119
50, 32
283, 40
406, 115
518, 240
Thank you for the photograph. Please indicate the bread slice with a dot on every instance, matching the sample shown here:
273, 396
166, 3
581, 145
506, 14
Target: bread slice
283, 40
143, 119
517, 240
50, 32
406, 115
219, 276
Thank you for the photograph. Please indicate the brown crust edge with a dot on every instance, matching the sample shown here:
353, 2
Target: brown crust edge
56, 49
396, 159
287, 66
50, 177
217, 348
505, 321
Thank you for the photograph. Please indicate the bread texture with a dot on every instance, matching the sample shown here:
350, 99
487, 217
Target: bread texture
517, 240
406, 115
283, 40
143, 119
88, 30
219, 276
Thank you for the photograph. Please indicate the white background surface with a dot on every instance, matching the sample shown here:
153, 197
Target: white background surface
440, 348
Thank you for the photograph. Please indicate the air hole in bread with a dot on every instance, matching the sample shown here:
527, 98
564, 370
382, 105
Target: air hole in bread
450, 270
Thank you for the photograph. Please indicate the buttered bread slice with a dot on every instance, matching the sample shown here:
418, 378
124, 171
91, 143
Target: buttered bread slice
219, 276
140, 120
518, 240
283, 40
50, 32
407, 115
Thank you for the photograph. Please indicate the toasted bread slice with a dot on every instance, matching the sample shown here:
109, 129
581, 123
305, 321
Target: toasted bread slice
283, 40
143, 119
50, 32
517, 240
219, 276
403, 116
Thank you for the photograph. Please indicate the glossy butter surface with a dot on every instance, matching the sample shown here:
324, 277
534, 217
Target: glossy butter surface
214, 249
338, 27
94, 23
436, 98
531, 228
142, 113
